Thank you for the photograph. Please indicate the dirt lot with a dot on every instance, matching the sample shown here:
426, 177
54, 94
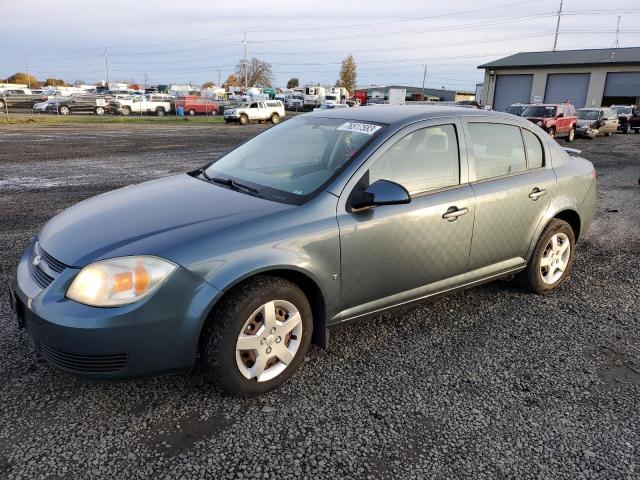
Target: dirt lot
488, 383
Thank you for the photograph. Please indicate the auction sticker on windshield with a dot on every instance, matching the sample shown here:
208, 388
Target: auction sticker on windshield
366, 128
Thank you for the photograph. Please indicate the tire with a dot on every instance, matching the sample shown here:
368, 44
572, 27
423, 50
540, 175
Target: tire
64, 110
160, 112
244, 119
126, 111
571, 135
192, 112
539, 279
236, 316
552, 132
275, 118
627, 129
1, 103
99, 111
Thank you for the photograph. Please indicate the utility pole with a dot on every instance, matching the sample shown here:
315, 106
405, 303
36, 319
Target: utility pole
424, 77
555, 40
245, 59
26, 64
146, 78
106, 64
617, 44
219, 84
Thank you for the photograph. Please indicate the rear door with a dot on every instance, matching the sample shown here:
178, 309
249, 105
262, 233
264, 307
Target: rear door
514, 184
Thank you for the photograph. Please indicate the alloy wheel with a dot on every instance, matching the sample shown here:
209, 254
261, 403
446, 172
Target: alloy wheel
269, 340
555, 258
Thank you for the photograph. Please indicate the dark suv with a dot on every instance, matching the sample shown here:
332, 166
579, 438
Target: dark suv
82, 103
558, 120
629, 117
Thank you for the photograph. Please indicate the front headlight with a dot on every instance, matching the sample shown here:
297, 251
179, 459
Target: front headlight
119, 281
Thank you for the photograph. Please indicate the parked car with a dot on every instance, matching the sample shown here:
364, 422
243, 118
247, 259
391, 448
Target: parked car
320, 220
159, 106
270, 110
628, 118
49, 105
558, 120
331, 106
193, 105
82, 103
596, 121
517, 109
19, 98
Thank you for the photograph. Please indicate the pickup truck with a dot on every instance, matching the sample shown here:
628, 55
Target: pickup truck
142, 104
558, 120
19, 98
270, 110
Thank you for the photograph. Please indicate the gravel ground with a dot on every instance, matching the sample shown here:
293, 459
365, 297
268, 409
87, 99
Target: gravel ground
488, 383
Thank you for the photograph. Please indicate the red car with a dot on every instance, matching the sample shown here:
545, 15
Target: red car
558, 120
193, 105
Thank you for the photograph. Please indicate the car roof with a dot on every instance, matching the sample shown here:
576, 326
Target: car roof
391, 114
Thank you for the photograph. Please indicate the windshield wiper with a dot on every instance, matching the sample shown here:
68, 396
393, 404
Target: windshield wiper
229, 182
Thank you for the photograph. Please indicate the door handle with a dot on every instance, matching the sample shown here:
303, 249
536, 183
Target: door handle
453, 213
536, 193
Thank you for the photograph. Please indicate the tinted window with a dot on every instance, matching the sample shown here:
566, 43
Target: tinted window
498, 149
426, 159
535, 155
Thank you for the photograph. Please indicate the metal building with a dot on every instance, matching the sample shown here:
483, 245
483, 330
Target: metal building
591, 78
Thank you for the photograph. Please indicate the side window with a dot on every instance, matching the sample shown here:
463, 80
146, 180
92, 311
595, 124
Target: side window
498, 149
426, 159
253, 105
535, 154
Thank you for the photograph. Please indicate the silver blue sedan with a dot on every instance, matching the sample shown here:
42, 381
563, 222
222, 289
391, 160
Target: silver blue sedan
328, 217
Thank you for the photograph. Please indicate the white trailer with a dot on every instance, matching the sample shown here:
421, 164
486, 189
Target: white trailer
397, 96
313, 97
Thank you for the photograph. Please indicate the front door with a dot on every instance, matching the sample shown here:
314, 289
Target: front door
389, 254
514, 185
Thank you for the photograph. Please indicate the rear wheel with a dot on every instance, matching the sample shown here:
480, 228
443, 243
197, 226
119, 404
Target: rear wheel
257, 337
275, 118
160, 112
244, 119
192, 112
551, 260
1, 103
64, 110
571, 135
99, 111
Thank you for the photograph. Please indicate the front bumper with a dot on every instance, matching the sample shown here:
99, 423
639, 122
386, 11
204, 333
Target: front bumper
157, 334
586, 132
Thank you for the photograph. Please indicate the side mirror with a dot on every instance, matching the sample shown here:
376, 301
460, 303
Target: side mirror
379, 193
560, 115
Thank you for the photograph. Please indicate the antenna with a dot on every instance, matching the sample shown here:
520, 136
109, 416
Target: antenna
424, 76
617, 44
245, 59
26, 64
555, 40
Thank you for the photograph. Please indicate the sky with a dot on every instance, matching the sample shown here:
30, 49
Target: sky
391, 41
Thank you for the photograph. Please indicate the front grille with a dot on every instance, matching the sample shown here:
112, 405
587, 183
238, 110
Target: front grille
41, 278
40, 275
83, 363
55, 265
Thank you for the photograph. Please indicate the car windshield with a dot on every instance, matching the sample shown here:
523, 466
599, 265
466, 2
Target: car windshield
623, 110
588, 114
539, 111
514, 109
292, 161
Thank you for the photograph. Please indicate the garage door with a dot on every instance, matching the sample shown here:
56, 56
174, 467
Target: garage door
567, 86
511, 89
622, 84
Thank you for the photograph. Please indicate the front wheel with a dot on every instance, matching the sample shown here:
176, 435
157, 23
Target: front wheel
571, 135
192, 112
126, 111
626, 129
552, 132
551, 260
275, 118
257, 337
160, 112
64, 110
244, 119
1, 103
99, 111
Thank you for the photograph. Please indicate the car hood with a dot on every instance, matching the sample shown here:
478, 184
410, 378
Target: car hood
585, 123
538, 119
148, 219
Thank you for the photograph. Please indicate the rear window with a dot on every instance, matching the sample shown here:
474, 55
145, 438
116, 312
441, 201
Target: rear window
498, 150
